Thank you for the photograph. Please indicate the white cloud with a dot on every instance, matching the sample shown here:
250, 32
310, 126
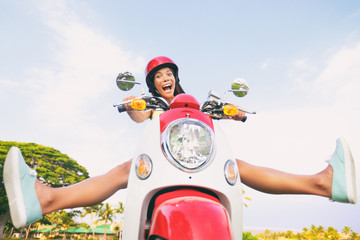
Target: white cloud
299, 140
88, 62
265, 64
9, 84
67, 97
301, 71
343, 69
301, 63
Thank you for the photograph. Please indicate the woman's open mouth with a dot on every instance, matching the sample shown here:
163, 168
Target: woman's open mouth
167, 87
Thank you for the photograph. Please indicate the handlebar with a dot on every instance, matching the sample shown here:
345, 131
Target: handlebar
211, 108
121, 108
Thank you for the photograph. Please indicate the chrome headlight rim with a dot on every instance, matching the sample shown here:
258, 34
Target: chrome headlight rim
168, 154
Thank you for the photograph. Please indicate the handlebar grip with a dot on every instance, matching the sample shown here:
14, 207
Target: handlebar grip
121, 108
244, 119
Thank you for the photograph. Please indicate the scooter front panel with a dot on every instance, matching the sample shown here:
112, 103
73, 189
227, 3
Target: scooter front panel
165, 175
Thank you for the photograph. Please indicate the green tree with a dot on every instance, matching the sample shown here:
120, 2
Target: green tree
67, 220
354, 236
92, 210
331, 233
289, 234
106, 213
346, 230
321, 230
314, 231
267, 233
53, 219
53, 168
119, 208
249, 236
86, 226
306, 234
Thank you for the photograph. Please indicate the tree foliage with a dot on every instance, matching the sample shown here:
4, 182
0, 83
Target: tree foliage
92, 211
54, 168
107, 213
315, 233
249, 236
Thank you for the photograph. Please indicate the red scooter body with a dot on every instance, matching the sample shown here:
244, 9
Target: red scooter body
189, 214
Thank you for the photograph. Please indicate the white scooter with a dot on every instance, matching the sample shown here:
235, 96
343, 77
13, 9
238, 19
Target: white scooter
184, 182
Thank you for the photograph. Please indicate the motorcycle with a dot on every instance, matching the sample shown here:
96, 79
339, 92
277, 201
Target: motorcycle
184, 181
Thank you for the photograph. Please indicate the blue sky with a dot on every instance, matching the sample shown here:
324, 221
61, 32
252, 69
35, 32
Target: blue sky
59, 61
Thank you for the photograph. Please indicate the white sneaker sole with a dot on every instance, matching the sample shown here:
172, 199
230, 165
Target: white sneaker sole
12, 184
350, 173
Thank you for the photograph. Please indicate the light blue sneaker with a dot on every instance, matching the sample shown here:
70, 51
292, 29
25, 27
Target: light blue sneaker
19, 181
344, 174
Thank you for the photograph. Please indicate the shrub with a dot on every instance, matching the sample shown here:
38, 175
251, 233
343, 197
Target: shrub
249, 236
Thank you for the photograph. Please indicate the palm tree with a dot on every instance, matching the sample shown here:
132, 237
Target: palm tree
91, 210
354, 235
331, 233
54, 219
119, 208
67, 220
106, 214
115, 227
346, 230
27, 231
37, 225
321, 230
267, 233
86, 227
306, 233
314, 231
289, 234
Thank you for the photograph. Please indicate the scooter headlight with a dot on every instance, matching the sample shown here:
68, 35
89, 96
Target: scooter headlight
188, 144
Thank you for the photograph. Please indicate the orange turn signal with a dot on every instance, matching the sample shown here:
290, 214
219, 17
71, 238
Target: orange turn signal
138, 104
230, 110
230, 172
143, 166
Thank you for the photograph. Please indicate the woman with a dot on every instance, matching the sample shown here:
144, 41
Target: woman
29, 199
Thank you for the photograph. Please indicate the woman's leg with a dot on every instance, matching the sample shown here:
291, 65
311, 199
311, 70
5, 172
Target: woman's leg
88, 192
29, 199
337, 181
277, 182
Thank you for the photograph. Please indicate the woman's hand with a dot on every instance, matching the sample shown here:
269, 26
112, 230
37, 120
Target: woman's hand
128, 105
238, 117
137, 116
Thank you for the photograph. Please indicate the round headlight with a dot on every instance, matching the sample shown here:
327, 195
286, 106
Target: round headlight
188, 144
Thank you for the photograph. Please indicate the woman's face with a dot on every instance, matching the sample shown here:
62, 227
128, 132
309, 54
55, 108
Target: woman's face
164, 81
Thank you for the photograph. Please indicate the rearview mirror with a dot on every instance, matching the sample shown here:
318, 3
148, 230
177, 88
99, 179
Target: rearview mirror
125, 81
239, 87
